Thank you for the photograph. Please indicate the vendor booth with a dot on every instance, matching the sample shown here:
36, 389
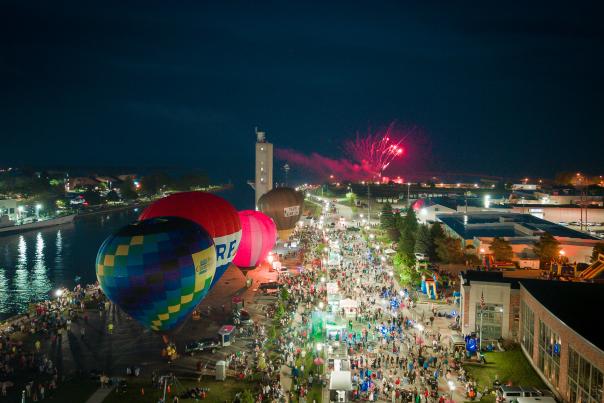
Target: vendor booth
226, 334
349, 305
340, 386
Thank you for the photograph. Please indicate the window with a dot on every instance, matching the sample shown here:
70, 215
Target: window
549, 353
492, 317
527, 332
584, 380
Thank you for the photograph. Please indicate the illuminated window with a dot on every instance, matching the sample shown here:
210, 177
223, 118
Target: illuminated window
549, 353
585, 381
527, 332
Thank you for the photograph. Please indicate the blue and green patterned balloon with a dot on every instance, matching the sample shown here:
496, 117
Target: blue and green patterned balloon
157, 270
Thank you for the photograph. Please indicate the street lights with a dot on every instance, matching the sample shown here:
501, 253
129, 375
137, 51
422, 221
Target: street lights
38, 208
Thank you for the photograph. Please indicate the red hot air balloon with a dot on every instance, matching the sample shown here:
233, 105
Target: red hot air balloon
216, 215
258, 236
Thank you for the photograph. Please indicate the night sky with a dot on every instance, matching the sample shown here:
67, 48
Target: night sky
500, 89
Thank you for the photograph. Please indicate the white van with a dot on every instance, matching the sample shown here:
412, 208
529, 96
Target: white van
515, 393
535, 399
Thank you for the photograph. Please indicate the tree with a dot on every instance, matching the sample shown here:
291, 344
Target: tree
598, 249
410, 221
406, 244
502, 250
154, 183
405, 268
127, 190
436, 234
423, 241
247, 397
92, 197
547, 248
112, 196
394, 233
408, 228
191, 181
449, 250
387, 217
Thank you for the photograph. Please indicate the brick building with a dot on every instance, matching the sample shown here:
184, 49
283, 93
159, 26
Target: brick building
556, 324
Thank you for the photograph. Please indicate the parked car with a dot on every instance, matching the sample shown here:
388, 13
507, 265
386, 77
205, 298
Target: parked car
270, 286
511, 393
242, 317
283, 271
208, 344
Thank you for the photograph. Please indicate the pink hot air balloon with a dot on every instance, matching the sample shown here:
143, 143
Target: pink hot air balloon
258, 236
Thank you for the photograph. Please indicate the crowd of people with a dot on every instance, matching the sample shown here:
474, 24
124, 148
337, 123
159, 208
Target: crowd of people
386, 341
30, 345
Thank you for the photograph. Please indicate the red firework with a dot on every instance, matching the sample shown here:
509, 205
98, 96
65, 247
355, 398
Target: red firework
375, 151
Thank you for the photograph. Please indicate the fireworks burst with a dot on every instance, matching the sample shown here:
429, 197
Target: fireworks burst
375, 151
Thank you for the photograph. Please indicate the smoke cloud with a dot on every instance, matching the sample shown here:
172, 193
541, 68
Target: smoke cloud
322, 167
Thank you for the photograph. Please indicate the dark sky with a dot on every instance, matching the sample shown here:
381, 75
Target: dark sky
504, 88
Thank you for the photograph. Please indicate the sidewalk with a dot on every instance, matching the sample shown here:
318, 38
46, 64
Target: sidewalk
99, 395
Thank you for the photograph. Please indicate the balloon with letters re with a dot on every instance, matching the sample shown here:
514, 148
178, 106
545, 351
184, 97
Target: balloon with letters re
213, 213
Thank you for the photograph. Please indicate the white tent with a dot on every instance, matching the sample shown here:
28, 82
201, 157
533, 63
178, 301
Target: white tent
389, 251
349, 303
340, 380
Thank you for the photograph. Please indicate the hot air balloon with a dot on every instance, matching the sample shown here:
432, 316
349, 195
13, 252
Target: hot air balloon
157, 270
284, 205
213, 213
258, 236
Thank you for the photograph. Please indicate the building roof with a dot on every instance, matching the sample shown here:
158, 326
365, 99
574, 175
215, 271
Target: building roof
503, 224
488, 277
575, 304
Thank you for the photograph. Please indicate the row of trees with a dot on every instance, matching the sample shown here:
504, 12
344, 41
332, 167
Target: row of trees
413, 237
149, 186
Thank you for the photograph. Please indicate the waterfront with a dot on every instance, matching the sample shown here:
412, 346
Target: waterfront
34, 263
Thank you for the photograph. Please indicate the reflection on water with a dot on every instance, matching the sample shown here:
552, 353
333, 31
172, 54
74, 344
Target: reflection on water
34, 263
20, 280
39, 284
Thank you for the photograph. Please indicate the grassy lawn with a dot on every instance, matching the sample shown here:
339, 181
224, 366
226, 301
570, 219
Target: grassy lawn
78, 390
507, 366
220, 391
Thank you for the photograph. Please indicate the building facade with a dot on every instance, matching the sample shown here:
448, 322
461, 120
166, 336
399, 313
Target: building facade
554, 322
569, 360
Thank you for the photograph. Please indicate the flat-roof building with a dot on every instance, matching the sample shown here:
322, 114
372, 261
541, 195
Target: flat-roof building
521, 230
555, 322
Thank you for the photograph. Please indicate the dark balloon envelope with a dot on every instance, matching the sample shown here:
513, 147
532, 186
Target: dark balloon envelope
284, 205
157, 270
213, 213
